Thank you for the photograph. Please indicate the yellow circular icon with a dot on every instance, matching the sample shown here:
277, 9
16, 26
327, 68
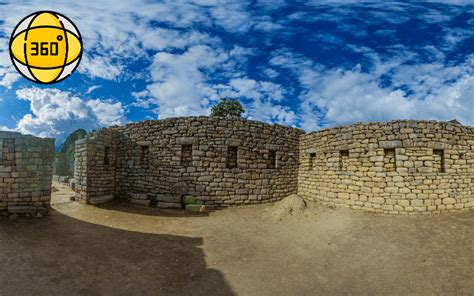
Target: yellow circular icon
46, 47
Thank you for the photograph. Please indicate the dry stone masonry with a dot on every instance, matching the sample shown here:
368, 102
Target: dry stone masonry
397, 167
25, 173
220, 161
394, 167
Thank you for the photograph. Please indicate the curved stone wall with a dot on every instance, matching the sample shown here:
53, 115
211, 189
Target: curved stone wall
394, 167
221, 161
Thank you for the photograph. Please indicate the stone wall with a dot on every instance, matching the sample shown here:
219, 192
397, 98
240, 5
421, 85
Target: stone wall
95, 167
394, 167
220, 161
25, 173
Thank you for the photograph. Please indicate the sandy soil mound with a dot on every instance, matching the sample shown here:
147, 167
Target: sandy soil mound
292, 206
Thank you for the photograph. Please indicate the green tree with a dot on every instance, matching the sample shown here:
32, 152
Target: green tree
227, 107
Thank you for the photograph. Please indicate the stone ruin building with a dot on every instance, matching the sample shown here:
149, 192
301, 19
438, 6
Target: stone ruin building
395, 167
25, 173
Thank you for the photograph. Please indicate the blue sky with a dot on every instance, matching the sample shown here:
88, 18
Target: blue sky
308, 64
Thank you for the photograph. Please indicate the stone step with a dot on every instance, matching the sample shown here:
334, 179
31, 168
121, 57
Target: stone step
168, 205
142, 196
140, 202
168, 198
100, 199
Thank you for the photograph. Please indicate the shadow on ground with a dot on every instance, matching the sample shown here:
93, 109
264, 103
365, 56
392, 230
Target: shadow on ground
59, 255
126, 206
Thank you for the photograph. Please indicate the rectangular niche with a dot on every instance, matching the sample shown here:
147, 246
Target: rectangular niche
343, 159
389, 160
438, 163
7, 155
187, 155
271, 161
231, 157
145, 150
312, 161
106, 155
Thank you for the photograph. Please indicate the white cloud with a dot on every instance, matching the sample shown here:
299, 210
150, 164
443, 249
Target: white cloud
416, 91
187, 60
180, 81
262, 100
7, 129
92, 88
56, 113
100, 66
8, 74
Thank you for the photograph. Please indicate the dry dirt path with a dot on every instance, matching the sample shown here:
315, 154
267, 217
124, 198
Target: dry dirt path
119, 249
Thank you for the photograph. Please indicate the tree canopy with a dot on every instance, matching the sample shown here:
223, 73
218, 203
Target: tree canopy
227, 107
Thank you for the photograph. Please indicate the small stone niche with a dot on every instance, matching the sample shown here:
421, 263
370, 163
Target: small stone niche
390, 160
438, 162
187, 155
145, 150
106, 155
271, 161
312, 161
343, 159
232, 155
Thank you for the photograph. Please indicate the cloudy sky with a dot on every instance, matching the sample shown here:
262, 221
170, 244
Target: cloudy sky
309, 64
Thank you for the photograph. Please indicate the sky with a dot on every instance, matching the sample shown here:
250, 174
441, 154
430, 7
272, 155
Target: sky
308, 64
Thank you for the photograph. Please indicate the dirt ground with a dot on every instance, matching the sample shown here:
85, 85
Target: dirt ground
119, 249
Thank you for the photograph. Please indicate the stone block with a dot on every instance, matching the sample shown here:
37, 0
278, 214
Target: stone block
138, 196
101, 199
390, 144
169, 205
180, 188
449, 201
140, 202
168, 198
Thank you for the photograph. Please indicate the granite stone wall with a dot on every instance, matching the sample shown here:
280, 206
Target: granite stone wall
95, 167
221, 161
25, 173
395, 167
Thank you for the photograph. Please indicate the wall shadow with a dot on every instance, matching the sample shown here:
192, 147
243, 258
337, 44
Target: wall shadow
125, 206
59, 255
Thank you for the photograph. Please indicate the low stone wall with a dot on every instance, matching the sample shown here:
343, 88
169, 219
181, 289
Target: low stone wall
222, 161
394, 167
25, 173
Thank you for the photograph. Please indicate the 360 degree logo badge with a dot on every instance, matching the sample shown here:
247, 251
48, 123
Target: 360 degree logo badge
46, 47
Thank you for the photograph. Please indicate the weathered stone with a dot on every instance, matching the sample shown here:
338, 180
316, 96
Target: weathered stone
138, 196
386, 167
25, 173
169, 205
63, 179
169, 198
140, 202
391, 144
180, 188
101, 199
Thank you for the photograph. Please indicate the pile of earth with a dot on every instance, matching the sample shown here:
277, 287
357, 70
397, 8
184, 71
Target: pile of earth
293, 206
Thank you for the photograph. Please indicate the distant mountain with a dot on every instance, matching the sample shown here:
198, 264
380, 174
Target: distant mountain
64, 158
